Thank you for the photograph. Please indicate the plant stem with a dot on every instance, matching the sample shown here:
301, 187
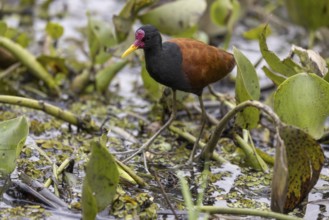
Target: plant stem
58, 171
210, 147
244, 211
133, 175
215, 156
29, 60
51, 110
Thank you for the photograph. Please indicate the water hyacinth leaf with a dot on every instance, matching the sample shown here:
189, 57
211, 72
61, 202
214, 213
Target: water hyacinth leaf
300, 11
246, 88
13, 134
302, 100
105, 76
89, 204
254, 33
100, 37
179, 20
93, 41
305, 159
154, 89
54, 30
100, 182
272, 59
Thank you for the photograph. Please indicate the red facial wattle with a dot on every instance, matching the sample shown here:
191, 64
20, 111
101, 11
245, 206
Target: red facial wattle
139, 35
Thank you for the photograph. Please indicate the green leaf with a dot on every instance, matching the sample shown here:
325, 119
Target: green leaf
153, 88
89, 204
224, 12
272, 59
93, 42
100, 182
305, 159
105, 76
302, 100
54, 30
254, 33
171, 19
246, 88
100, 36
13, 134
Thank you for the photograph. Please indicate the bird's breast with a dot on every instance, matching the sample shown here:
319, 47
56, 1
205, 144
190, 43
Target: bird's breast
165, 67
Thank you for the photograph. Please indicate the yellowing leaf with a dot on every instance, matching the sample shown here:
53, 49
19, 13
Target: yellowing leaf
305, 159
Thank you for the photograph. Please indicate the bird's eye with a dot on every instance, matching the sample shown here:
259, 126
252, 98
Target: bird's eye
146, 38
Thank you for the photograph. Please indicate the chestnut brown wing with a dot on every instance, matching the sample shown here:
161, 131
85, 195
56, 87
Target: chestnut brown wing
203, 64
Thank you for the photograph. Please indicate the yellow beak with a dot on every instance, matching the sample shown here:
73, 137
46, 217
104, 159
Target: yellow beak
131, 49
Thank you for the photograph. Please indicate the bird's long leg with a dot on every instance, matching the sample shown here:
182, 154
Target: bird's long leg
203, 122
150, 141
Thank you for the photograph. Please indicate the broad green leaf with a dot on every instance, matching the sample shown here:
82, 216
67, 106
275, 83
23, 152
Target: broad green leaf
246, 88
272, 59
300, 11
100, 182
100, 37
105, 76
224, 12
93, 41
54, 30
170, 19
254, 33
89, 203
303, 100
153, 88
13, 134
305, 159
